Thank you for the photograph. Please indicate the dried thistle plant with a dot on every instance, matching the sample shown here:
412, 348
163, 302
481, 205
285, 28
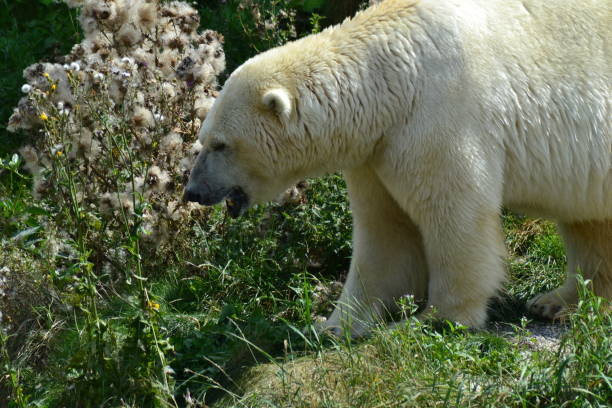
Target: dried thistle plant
272, 24
113, 125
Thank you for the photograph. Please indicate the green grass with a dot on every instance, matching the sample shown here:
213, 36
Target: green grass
419, 366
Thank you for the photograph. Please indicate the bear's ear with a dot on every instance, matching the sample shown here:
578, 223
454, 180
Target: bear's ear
279, 101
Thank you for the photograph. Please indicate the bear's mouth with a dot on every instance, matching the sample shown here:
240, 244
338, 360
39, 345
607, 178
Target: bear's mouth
236, 202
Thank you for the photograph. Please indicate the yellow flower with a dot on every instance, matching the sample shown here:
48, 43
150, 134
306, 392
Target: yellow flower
153, 306
43, 116
46, 75
53, 87
59, 153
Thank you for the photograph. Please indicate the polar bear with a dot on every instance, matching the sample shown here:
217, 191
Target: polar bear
438, 113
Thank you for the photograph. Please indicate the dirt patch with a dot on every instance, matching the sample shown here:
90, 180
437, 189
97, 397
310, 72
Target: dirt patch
539, 336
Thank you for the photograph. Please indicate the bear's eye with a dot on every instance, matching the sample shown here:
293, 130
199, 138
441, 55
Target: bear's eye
217, 146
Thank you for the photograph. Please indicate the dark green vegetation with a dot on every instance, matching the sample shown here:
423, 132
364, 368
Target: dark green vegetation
30, 31
190, 325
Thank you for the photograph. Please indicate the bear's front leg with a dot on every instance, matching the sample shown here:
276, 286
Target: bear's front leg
387, 262
464, 244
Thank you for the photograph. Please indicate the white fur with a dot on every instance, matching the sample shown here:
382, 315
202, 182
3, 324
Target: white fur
440, 112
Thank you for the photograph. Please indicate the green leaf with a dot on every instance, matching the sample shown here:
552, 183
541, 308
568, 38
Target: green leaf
310, 5
37, 211
25, 233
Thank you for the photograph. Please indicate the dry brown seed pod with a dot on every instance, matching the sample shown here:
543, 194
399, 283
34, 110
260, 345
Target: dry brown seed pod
128, 35
147, 15
142, 117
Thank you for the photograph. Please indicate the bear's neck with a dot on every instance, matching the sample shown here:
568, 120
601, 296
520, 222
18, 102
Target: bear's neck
350, 95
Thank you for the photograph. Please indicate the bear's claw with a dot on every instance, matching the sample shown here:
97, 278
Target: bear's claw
548, 305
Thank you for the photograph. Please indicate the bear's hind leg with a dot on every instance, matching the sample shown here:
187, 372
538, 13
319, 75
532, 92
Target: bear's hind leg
589, 253
387, 262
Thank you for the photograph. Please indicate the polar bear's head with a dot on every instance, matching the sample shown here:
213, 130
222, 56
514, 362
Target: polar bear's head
254, 144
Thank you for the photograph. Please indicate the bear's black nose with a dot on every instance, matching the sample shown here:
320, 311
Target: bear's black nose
190, 195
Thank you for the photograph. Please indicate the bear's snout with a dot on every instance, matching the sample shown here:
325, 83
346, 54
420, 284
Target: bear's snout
204, 196
237, 200
192, 196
